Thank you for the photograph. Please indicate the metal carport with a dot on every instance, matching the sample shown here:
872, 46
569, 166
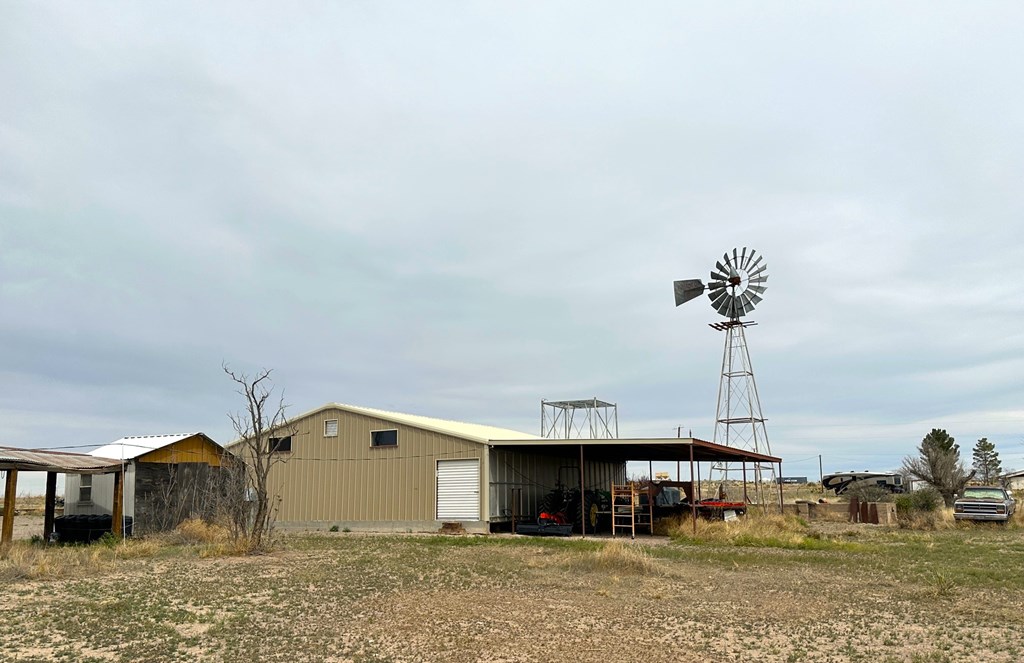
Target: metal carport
13, 460
680, 450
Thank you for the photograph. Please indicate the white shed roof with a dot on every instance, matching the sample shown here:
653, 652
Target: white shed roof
134, 446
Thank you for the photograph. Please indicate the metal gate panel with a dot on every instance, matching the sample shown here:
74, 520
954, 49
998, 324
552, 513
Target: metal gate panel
458, 489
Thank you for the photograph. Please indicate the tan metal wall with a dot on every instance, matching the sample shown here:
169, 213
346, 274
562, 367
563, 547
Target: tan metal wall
343, 478
537, 474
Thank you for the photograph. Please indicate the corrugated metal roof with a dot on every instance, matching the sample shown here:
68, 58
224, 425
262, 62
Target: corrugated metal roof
134, 446
39, 460
475, 432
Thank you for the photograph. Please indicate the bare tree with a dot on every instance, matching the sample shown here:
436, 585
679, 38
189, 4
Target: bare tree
254, 455
938, 464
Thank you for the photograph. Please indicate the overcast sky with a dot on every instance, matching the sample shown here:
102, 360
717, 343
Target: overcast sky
458, 209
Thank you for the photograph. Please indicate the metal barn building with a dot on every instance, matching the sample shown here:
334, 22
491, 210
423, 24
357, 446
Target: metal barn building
368, 469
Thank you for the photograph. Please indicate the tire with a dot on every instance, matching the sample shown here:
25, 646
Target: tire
553, 502
586, 511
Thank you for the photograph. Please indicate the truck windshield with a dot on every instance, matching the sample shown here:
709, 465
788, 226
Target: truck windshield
983, 494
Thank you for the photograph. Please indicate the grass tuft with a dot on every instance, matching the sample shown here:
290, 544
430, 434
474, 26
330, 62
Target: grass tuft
624, 558
757, 530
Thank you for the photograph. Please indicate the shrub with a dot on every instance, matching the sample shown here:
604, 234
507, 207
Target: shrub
334, 528
925, 500
869, 493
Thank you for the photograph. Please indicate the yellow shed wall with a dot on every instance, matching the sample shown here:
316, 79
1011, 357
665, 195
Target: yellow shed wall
195, 449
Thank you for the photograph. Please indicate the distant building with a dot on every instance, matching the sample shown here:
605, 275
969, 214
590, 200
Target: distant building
791, 480
1013, 480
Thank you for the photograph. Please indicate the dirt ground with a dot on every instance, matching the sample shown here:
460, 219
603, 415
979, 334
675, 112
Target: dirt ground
346, 597
27, 526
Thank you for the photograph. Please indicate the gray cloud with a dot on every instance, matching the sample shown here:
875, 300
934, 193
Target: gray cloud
458, 210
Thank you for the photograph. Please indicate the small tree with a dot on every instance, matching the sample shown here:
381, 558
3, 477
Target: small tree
986, 461
254, 456
938, 464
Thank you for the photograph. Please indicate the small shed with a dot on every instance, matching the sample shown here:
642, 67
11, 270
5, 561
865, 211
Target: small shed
167, 478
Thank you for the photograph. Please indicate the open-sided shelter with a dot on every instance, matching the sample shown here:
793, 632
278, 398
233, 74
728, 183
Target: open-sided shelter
14, 460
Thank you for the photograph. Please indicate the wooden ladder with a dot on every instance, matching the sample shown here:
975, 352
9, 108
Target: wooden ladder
628, 511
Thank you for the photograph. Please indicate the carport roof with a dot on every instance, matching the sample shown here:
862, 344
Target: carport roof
39, 460
655, 449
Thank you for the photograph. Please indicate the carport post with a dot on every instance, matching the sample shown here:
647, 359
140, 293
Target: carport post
693, 498
583, 501
50, 506
746, 500
117, 517
780, 488
11, 489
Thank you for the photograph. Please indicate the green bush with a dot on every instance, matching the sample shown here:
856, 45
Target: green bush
925, 500
869, 493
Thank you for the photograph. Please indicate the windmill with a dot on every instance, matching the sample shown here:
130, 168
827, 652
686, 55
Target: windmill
737, 285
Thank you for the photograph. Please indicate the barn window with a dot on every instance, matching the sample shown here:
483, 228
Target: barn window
384, 438
331, 428
85, 488
280, 444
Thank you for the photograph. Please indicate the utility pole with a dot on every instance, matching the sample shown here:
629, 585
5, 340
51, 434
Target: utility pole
821, 474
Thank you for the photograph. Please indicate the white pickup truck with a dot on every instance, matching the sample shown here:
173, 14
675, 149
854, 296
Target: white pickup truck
991, 503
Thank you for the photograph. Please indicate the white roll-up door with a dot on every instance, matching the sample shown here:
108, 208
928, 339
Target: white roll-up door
458, 489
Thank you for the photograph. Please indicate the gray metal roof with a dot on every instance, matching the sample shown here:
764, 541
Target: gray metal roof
40, 460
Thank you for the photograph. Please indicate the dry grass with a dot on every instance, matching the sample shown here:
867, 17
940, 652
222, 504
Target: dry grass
754, 529
928, 521
205, 538
24, 560
465, 599
616, 556
197, 531
31, 561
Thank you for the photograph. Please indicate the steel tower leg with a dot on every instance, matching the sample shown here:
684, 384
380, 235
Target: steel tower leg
739, 421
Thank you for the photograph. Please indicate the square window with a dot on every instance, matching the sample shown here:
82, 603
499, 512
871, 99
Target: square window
280, 444
85, 488
384, 438
331, 428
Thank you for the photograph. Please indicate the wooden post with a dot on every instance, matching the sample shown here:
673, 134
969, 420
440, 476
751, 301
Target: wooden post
50, 508
11, 490
117, 517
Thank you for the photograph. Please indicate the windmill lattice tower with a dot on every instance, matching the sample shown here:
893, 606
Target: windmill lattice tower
736, 287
